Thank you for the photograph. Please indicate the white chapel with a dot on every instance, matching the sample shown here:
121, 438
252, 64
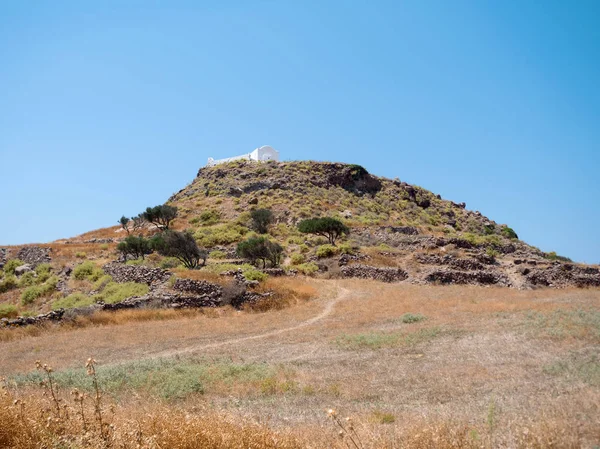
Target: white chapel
264, 153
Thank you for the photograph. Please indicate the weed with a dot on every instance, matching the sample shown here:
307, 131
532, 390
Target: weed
409, 318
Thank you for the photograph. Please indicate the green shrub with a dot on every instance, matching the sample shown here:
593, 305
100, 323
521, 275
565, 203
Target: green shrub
72, 301
326, 251
308, 268
553, 256
104, 246
10, 282
212, 236
491, 252
169, 262
304, 248
8, 311
346, 248
297, 259
9, 267
194, 220
252, 274
114, 292
30, 294
102, 282
34, 292
210, 217
409, 318
217, 254
87, 270
509, 233
43, 272
80, 255
28, 279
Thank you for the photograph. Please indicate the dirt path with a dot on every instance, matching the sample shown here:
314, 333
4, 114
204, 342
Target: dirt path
343, 293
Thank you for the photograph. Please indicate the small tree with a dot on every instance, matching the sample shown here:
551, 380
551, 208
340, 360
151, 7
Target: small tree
124, 222
160, 216
138, 222
134, 246
182, 246
261, 219
260, 248
328, 227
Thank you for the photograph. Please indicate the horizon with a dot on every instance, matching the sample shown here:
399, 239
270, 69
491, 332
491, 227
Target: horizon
108, 107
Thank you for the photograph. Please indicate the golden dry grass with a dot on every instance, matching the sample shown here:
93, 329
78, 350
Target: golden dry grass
504, 368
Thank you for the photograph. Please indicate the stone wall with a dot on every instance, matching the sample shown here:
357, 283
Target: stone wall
448, 276
34, 255
386, 274
563, 275
136, 273
55, 315
198, 287
451, 261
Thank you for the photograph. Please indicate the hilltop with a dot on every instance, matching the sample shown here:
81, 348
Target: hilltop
398, 233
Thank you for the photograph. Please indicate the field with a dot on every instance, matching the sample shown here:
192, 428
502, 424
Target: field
411, 366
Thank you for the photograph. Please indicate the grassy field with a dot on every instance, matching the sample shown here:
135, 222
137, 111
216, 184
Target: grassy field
411, 366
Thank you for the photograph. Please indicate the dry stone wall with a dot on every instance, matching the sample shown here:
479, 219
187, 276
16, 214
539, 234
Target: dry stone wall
34, 255
386, 274
449, 276
136, 273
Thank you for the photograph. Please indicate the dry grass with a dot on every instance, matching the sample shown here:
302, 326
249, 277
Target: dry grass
507, 368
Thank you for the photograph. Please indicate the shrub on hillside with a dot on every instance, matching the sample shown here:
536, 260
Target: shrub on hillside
297, 259
330, 228
261, 219
8, 283
43, 272
326, 251
308, 268
37, 291
160, 216
72, 301
134, 246
210, 217
509, 233
8, 311
87, 270
260, 249
217, 254
182, 246
169, 262
114, 292
9, 267
220, 235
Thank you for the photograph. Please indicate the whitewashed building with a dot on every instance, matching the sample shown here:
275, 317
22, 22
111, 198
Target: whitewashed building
264, 153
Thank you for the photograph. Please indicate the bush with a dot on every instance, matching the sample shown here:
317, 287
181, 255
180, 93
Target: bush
260, 248
210, 217
169, 262
87, 270
509, 233
160, 216
43, 272
72, 301
328, 227
135, 246
252, 274
10, 282
346, 248
80, 255
326, 251
409, 318
28, 279
297, 259
308, 268
182, 246
553, 256
8, 311
32, 293
216, 254
113, 292
261, 219
9, 267
104, 246
220, 235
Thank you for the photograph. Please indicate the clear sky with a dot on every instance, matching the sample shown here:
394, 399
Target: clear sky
111, 106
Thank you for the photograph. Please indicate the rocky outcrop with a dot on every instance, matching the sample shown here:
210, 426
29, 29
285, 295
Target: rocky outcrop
448, 276
2, 257
385, 274
34, 255
136, 273
563, 275
345, 259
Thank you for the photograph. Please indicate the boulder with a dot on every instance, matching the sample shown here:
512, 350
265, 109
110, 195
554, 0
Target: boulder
23, 269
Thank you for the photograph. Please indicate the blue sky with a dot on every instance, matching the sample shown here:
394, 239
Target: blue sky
108, 107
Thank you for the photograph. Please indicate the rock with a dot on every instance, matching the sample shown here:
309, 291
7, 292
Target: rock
23, 269
347, 214
447, 276
198, 287
253, 201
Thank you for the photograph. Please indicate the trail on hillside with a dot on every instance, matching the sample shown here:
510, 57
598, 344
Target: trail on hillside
343, 293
